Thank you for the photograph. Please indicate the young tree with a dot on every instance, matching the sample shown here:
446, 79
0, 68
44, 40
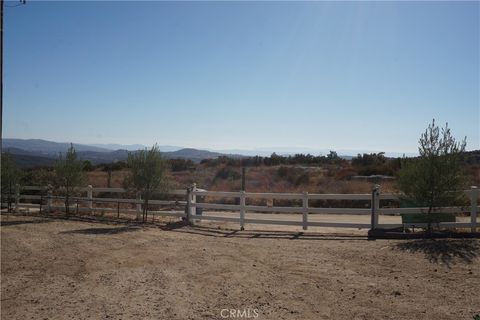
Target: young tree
69, 174
436, 178
148, 174
11, 176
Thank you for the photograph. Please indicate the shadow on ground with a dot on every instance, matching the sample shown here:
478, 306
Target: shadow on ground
446, 251
104, 231
182, 227
264, 234
6, 223
173, 225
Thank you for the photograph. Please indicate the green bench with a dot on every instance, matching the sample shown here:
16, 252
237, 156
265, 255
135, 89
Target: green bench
409, 220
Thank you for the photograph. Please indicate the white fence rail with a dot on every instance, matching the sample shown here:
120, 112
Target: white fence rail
193, 208
374, 210
89, 198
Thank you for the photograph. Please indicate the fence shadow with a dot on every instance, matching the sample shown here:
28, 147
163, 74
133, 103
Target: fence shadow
265, 234
6, 223
173, 225
446, 251
103, 231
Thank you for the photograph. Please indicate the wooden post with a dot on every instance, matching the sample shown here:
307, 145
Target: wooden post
49, 199
242, 210
473, 212
243, 178
188, 210
139, 204
305, 211
41, 202
90, 197
17, 197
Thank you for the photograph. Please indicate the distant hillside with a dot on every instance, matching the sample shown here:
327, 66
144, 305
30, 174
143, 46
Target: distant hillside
121, 155
44, 147
36, 152
115, 146
133, 147
28, 161
192, 154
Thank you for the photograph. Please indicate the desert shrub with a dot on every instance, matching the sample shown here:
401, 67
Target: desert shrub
292, 175
371, 159
376, 164
113, 166
303, 179
38, 177
180, 164
87, 165
227, 173
474, 172
118, 165
345, 173
252, 161
283, 171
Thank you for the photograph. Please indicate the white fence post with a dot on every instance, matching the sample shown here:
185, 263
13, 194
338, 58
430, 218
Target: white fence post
189, 205
90, 197
17, 197
242, 210
473, 212
193, 208
305, 211
375, 206
139, 204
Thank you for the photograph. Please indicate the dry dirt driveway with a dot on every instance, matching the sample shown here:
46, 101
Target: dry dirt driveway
60, 269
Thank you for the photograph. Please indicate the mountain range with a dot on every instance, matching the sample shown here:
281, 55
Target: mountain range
38, 152
34, 152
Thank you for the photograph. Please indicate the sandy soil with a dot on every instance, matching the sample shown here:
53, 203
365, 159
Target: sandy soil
60, 269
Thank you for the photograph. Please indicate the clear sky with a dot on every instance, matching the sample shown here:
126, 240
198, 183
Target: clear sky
335, 75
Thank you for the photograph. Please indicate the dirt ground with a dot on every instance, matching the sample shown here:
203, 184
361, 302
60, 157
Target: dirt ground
63, 269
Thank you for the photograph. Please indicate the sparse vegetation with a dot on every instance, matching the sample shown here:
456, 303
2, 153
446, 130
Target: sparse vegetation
11, 176
181, 164
436, 178
228, 173
297, 173
375, 164
148, 174
87, 165
38, 177
69, 175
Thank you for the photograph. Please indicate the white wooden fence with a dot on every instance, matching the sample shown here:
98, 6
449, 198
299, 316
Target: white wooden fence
374, 211
189, 207
91, 198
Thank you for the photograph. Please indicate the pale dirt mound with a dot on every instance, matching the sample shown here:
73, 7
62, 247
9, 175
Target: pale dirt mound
59, 269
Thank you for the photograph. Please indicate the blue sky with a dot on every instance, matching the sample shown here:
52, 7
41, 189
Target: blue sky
224, 75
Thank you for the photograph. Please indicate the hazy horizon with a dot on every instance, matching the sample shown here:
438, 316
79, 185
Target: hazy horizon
223, 75
262, 151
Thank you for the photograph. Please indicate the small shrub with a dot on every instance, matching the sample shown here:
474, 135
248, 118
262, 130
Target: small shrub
227, 173
303, 179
